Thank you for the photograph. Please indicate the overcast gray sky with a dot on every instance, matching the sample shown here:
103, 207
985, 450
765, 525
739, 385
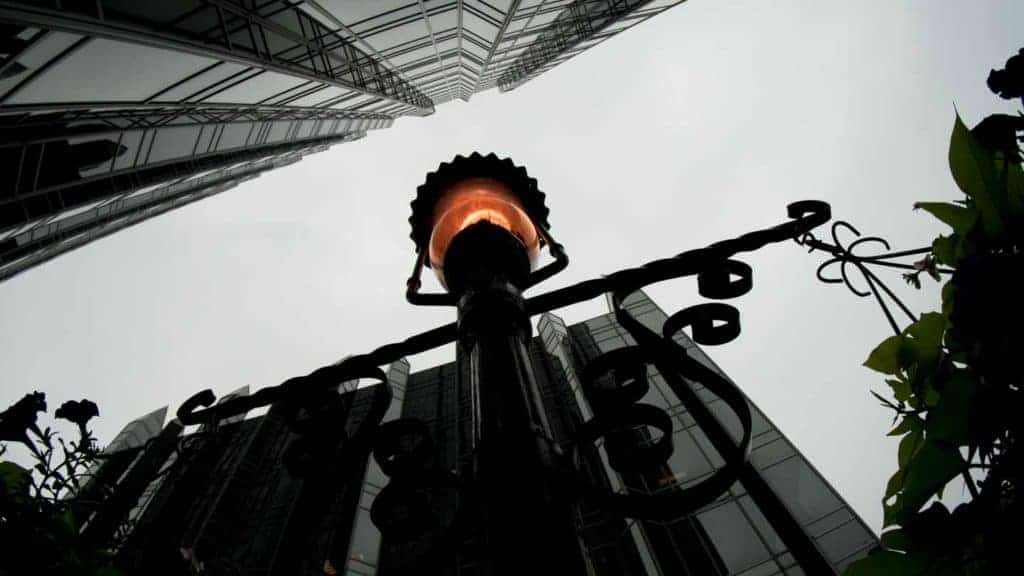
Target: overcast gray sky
700, 124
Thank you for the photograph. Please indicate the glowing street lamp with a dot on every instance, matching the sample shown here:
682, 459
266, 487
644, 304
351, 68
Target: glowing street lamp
480, 219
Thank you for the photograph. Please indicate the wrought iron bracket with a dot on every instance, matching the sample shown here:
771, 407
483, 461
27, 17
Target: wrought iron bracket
844, 255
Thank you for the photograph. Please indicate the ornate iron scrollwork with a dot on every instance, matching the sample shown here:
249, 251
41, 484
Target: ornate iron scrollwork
404, 508
845, 255
718, 277
617, 408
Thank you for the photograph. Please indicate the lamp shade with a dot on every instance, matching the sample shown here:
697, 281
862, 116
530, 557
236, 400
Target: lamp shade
477, 200
476, 191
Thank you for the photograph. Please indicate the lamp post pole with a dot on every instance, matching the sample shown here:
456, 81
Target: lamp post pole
514, 472
514, 476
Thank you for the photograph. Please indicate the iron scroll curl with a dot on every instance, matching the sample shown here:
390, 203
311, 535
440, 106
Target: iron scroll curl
846, 254
617, 407
719, 277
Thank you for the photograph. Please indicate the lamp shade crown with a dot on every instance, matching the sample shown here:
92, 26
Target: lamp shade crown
469, 189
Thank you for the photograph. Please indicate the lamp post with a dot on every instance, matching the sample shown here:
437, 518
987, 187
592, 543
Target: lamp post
479, 223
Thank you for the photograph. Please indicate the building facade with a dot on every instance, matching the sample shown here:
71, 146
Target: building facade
236, 499
114, 111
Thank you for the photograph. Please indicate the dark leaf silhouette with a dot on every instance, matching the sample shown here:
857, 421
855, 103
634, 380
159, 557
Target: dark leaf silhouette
1008, 83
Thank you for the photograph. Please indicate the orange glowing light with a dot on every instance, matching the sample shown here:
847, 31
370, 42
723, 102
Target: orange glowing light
474, 200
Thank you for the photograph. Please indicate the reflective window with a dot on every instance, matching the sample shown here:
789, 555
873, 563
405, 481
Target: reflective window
321, 96
118, 72
389, 36
803, 491
655, 395
843, 541
479, 26
207, 78
405, 58
339, 102
768, 534
687, 461
256, 89
706, 446
298, 90
351, 13
234, 135
36, 55
94, 153
66, 161
445, 46
444, 22
375, 108
278, 131
343, 125
771, 453
479, 52
306, 128
173, 142
766, 569
729, 420
206, 139
734, 538
359, 101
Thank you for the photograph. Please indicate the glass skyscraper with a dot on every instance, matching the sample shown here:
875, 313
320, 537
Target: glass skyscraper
230, 503
114, 111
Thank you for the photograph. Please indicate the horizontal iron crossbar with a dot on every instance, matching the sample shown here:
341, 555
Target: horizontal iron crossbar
805, 215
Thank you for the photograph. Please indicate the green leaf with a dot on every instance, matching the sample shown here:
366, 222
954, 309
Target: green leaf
949, 250
894, 486
948, 293
896, 540
885, 357
66, 522
901, 390
931, 468
960, 218
909, 446
922, 345
1015, 190
950, 420
974, 170
13, 478
962, 163
910, 423
928, 329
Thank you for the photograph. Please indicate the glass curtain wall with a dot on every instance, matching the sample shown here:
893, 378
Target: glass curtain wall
732, 533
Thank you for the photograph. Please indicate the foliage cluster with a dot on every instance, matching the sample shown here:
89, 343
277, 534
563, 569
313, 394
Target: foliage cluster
42, 508
956, 374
